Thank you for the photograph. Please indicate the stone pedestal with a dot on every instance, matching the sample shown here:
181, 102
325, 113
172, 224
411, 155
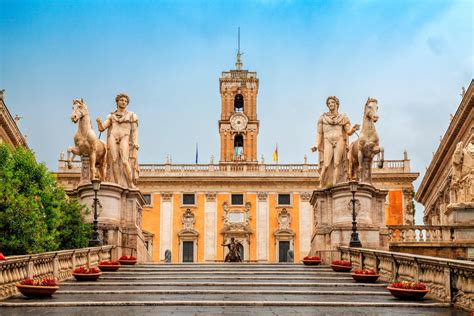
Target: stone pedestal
460, 213
119, 217
333, 218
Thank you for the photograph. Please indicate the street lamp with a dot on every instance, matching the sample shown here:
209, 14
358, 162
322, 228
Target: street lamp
355, 242
94, 242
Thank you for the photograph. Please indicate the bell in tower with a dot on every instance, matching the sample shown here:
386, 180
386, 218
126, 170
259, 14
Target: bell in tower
238, 126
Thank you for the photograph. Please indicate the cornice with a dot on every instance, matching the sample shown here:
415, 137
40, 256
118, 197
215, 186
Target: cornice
445, 150
9, 125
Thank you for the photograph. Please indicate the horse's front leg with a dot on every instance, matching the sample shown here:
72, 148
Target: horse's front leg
72, 152
380, 152
360, 158
92, 164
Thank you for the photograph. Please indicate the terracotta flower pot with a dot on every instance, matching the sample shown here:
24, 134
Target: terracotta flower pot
308, 262
338, 268
86, 276
367, 278
109, 267
127, 262
36, 290
407, 294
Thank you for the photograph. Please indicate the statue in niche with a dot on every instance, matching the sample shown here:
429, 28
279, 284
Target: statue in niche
86, 144
363, 150
332, 143
122, 143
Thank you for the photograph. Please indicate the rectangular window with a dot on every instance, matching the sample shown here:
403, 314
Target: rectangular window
147, 198
237, 199
284, 199
188, 199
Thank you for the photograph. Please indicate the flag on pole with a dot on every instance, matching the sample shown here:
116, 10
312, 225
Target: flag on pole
275, 154
197, 154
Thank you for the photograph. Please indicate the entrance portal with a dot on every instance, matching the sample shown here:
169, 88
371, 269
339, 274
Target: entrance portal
283, 247
188, 251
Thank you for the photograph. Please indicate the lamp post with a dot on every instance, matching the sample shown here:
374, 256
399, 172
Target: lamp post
94, 242
355, 242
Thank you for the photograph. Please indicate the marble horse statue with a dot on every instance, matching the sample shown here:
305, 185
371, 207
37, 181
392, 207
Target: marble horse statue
86, 143
363, 150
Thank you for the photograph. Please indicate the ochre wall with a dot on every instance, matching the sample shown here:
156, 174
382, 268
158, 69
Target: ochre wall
394, 210
151, 223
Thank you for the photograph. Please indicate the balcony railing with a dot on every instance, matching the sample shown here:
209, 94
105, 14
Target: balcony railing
428, 234
227, 169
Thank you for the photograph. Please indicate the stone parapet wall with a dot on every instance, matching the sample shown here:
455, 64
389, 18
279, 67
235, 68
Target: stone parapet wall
57, 264
448, 280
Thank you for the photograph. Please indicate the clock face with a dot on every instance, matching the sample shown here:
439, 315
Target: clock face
238, 121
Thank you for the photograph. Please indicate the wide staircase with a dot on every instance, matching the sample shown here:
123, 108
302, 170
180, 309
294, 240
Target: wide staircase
229, 289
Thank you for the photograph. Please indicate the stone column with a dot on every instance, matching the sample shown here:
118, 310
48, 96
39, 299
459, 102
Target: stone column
166, 223
305, 223
210, 227
262, 226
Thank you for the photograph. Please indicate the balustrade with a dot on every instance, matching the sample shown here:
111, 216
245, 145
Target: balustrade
426, 234
448, 280
59, 265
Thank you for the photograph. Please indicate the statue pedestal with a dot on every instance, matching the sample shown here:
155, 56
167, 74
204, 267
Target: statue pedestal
460, 213
119, 216
333, 218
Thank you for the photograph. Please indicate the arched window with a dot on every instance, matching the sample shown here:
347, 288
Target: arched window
239, 103
238, 147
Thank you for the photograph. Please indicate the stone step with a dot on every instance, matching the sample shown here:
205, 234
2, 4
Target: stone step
227, 273
222, 297
303, 269
237, 277
228, 291
392, 303
229, 283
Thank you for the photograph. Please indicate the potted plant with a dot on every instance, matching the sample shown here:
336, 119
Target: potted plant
39, 288
109, 265
408, 290
2, 257
311, 260
365, 275
128, 260
84, 274
341, 266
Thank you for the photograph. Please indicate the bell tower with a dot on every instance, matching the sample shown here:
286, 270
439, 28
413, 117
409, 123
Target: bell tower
238, 126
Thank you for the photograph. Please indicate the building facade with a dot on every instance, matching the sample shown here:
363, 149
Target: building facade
9, 132
194, 209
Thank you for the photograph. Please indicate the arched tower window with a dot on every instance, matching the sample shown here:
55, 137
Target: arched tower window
239, 147
238, 103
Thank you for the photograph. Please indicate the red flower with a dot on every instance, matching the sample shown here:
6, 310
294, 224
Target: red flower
83, 270
48, 282
109, 263
312, 258
342, 263
2, 257
27, 281
365, 271
409, 285
127, 258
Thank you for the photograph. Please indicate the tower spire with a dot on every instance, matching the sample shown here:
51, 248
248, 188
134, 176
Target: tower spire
238, 64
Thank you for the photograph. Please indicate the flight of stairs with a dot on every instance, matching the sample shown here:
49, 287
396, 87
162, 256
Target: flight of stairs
232, 288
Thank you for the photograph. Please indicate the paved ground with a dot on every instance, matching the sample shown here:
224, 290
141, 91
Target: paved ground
222, 289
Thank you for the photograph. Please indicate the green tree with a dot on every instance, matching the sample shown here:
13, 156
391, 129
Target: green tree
35, 213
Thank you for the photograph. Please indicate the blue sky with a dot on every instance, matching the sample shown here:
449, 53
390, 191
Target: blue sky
413, 56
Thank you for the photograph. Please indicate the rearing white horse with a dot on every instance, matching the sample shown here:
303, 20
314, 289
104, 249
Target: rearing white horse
86, 143
364, 148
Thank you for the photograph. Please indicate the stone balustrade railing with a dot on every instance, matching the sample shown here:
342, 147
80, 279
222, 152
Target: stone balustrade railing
448, 280
168, 169
57, 264
429, 234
